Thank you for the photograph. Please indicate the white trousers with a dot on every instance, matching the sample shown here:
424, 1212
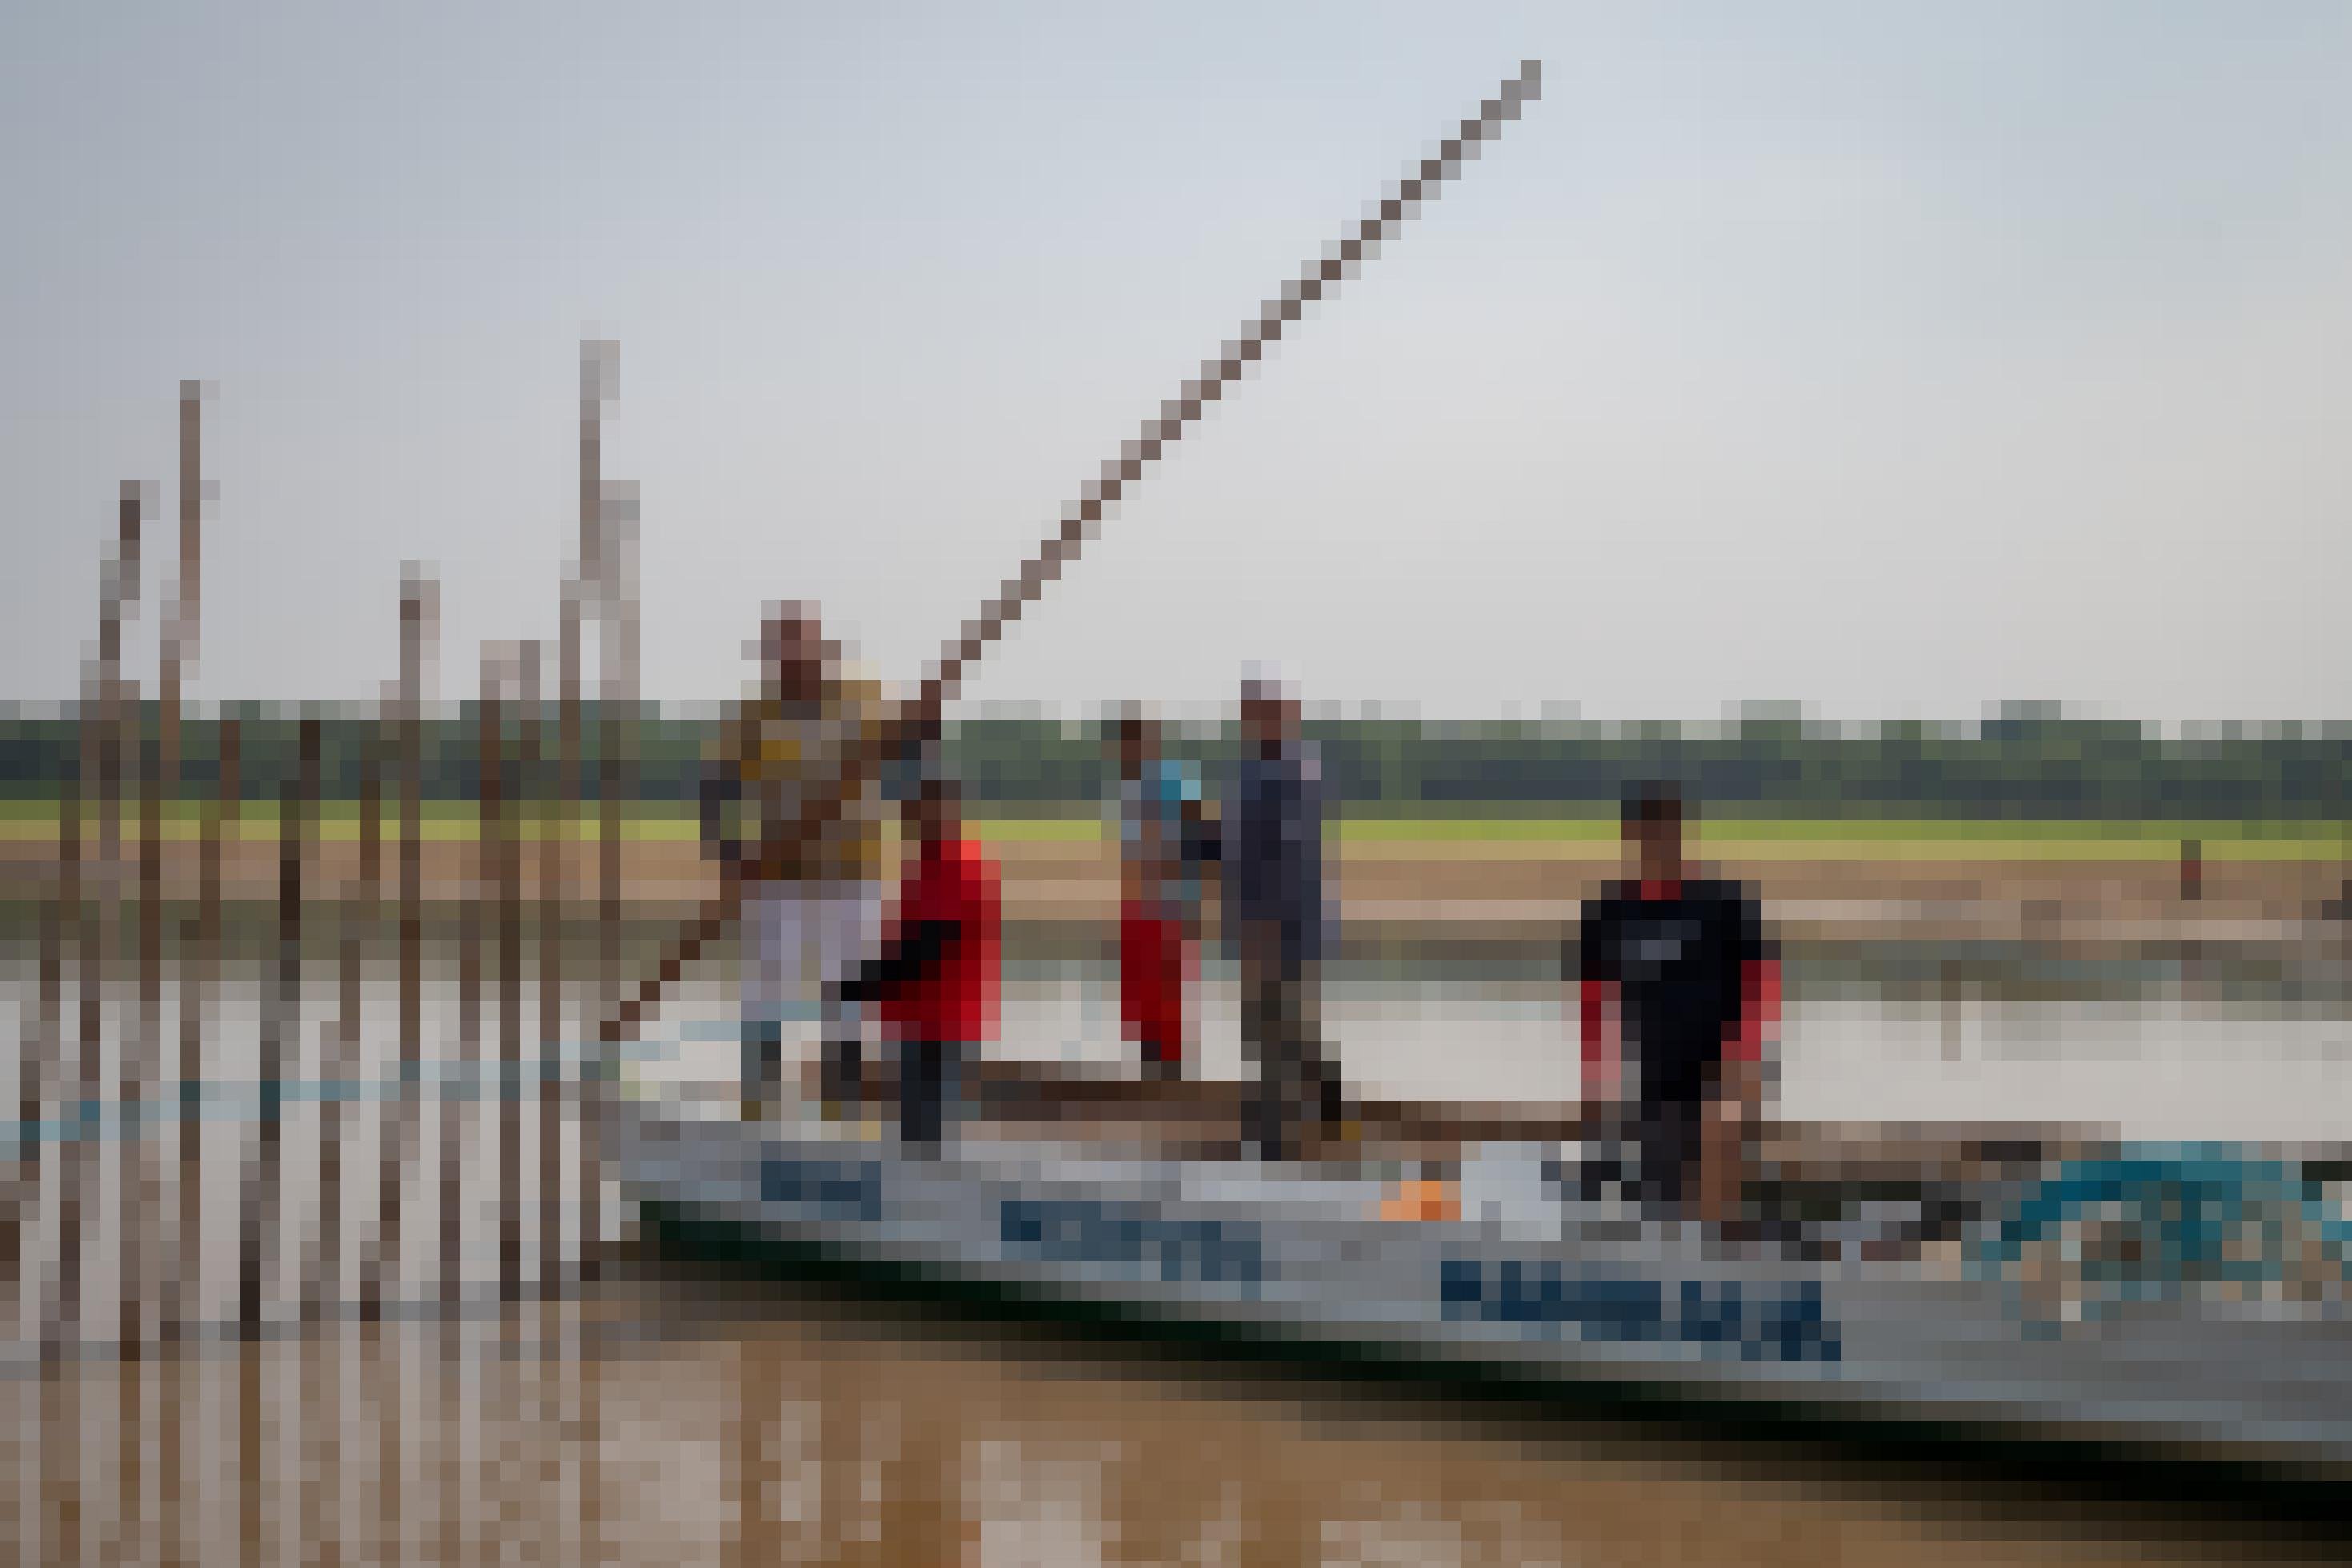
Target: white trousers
799, 935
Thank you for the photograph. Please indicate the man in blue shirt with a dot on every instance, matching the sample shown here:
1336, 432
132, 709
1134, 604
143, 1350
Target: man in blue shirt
1275, 914
1163, 846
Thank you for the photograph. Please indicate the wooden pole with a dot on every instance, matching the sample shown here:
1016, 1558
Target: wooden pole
219, 816
281, 1025
118, 594
456, 1120
567, 822
200, 940
343, 1073
182, 635
505, 781
617, 780
177, 646
553, 839
136, 1061
416, 605
600, 371
36, 1062
920, 718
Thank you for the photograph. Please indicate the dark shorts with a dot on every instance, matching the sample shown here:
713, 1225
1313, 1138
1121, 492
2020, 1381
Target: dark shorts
1667, 1133
1658, 1143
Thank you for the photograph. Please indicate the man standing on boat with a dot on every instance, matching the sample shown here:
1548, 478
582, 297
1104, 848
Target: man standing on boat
803, 930
934, 983
1274, 915
1164, 841
1679, 974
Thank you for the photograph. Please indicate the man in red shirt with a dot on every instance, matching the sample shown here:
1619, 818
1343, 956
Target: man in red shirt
934, 983
1679, 974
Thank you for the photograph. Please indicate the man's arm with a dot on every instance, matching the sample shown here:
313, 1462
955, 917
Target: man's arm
1203, 839
1759, 1011
1602, 1030
1757, 1025
720, 788
905, 959
1600, 1008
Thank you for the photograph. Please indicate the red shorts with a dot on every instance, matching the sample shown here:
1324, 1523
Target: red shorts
1155, 973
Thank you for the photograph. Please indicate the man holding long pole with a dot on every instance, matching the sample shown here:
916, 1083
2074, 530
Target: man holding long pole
809, 923
919, 718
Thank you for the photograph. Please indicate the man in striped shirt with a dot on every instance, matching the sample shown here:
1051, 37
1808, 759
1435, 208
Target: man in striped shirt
806, 928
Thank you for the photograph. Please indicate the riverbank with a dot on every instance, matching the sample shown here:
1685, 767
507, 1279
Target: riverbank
1487, 887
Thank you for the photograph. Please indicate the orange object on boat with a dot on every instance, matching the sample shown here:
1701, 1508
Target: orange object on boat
1423, 1200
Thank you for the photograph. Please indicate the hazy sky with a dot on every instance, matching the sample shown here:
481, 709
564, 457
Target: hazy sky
1890, 360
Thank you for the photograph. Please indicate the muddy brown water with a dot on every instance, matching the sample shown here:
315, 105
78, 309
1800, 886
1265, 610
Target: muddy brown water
675, 1416
683, 1419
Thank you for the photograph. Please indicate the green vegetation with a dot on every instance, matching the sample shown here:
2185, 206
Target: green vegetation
1541, 781
1841, 837
1469, 833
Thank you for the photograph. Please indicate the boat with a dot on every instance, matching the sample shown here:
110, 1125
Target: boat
2189, 1302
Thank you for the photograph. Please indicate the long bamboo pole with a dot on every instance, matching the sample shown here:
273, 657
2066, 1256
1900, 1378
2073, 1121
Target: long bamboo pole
617, 786
417, 604
566, 815
457, 1118
262, 1204
135, 1056
37, 1061
118, 594
200, 939
600, 374
220, 819
553, 841
920, 718
177, 650
342, 1072
510, 886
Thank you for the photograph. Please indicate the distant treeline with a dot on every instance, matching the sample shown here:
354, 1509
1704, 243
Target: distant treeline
2035, 765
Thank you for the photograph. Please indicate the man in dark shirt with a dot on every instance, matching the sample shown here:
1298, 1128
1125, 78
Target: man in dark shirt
1680, 976
1272, 856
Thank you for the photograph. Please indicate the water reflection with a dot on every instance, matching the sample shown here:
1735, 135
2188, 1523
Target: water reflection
696, 1422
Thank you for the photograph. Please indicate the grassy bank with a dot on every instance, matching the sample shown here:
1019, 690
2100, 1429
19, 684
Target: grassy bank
1463, 834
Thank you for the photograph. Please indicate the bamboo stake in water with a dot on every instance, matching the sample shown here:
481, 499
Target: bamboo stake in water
137, 1064
567, 822
200, 939
416, 605
37, 1061
566, 852
220, 817
118, 594
554, 823
343, 1072
260, 1206
182, 618
510, 881
457, 1118
612, 783
136, 1059
600, 374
